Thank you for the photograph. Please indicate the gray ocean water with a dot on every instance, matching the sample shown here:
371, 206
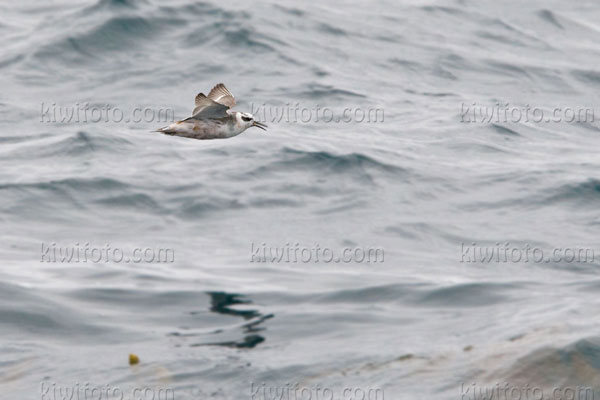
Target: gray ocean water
430, 321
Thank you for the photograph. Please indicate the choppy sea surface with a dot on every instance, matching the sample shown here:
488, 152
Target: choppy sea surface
431, 184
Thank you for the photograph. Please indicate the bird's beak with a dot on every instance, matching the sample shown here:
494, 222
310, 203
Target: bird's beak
259, 125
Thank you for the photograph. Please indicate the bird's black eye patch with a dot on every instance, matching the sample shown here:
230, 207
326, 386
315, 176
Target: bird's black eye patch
246, 118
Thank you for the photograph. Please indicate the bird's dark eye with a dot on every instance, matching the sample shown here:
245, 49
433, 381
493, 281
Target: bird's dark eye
246, 118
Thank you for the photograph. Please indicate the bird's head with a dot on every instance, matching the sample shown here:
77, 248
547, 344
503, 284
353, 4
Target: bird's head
247, 120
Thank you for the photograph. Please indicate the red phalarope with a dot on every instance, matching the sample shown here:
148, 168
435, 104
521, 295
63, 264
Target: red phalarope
212, 118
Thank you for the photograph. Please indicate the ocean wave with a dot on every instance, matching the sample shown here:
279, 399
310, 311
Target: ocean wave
576, 365
584, 193
468, 295
33, 312
77, 145
355, 164
118, 34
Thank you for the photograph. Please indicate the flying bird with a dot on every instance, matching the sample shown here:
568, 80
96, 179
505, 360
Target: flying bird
213, 118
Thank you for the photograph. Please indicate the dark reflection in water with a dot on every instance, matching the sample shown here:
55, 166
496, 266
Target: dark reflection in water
221, 303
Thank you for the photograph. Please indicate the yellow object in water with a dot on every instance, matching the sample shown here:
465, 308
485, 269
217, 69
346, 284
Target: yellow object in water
133, 359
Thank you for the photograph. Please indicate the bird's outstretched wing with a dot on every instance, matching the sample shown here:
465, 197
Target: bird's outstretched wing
221, 95
207, 108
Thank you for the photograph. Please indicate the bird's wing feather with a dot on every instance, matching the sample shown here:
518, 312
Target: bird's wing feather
200, 102
222, 95
207, 108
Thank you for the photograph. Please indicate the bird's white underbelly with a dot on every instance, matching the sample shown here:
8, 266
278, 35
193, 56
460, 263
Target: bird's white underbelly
201, 129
